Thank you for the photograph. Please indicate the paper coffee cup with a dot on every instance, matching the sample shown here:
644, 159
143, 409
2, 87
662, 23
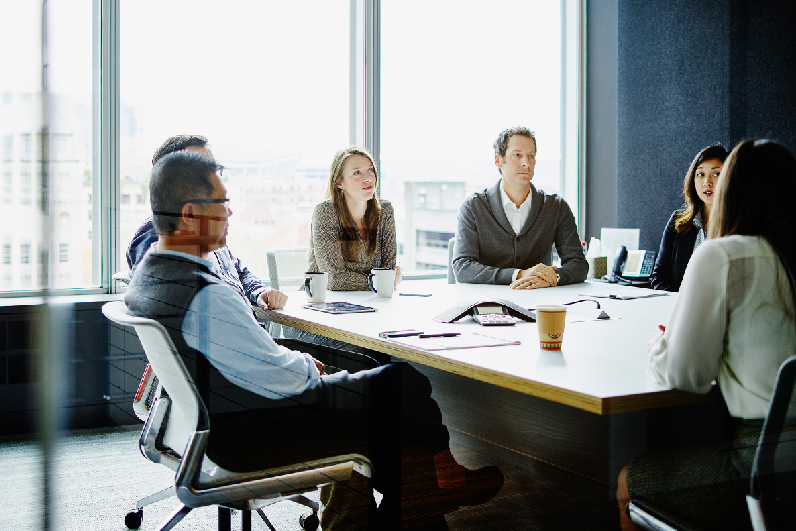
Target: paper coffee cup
381, 281
550, 320
315, 284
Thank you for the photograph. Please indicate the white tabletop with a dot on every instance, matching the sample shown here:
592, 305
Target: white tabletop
601, 368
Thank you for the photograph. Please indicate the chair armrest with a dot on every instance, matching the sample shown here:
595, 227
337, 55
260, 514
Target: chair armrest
193, 490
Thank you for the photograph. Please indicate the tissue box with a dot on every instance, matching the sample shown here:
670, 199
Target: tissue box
598, 266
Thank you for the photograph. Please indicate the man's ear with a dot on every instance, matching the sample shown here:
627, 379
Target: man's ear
187, 218
499, 162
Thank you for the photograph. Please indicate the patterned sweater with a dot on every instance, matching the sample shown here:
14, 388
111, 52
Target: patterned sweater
326, 254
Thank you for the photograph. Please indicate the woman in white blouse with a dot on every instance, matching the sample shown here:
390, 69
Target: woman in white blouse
734, 324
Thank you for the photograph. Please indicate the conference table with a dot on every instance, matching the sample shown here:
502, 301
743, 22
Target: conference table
577, 415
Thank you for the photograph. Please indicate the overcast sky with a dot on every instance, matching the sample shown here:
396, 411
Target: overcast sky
267, 78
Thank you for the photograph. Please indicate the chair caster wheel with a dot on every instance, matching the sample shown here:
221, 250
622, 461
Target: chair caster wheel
134, 518
309, 521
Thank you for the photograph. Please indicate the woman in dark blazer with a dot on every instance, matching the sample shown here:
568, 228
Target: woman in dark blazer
688, 226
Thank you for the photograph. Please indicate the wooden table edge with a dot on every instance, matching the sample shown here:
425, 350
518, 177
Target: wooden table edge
590, 403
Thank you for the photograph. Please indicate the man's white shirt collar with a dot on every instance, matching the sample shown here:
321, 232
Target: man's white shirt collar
516, 215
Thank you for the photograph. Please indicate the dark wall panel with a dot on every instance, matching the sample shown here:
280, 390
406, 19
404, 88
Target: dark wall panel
673, 93
689, 73
770, 101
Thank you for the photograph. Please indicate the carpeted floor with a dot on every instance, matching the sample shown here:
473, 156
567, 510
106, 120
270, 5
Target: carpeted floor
99, 476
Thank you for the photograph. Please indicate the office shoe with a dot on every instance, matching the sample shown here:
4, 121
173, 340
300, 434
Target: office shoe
479, 487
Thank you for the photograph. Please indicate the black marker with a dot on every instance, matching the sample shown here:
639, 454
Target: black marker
446, 334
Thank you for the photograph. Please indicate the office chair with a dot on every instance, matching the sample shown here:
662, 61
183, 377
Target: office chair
286, 268
176, 434
773, 476
773, 490
451, 274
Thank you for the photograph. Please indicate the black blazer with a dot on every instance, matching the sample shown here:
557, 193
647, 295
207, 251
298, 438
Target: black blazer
673, 256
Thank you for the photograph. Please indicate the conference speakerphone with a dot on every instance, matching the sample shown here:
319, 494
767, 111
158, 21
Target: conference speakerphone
486, 315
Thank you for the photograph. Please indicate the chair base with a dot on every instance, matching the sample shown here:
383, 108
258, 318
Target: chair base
308, 521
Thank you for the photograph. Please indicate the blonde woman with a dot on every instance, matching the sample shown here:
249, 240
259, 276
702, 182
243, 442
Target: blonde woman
352, 230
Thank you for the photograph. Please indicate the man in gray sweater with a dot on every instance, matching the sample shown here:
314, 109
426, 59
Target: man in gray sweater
505, 233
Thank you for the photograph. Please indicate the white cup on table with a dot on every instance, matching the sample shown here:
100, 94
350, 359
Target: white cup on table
315, 284
381, 281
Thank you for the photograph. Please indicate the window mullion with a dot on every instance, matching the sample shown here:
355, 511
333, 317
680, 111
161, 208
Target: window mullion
106, 182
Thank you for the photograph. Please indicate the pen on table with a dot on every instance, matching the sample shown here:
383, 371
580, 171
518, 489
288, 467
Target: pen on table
401, 333
415, 294
446, 334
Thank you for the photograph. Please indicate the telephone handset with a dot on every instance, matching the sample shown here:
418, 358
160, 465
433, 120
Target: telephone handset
635, 264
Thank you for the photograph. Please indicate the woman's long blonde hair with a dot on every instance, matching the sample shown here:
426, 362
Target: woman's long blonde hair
350, 235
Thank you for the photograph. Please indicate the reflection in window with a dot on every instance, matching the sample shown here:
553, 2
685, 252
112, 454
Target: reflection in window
8, 148
26, 186
71, 52
24, 253
8, 187
26, 147
63, 252
434, 239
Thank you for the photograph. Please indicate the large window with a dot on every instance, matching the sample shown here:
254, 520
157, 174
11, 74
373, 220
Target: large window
66, 163
265, 81
277, 87
451, 80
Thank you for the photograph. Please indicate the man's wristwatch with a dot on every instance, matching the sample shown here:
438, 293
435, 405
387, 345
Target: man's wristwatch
558, 278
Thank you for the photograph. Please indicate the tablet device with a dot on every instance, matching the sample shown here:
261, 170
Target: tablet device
339, 307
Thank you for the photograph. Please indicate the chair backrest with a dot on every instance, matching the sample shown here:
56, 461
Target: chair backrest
187, 412
772, 502
451, 274
286, 268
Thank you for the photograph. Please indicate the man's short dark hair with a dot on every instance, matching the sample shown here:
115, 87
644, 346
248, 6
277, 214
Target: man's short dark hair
502, 142
176, 178
178, 143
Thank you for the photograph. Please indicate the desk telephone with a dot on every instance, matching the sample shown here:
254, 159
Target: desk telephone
630, 266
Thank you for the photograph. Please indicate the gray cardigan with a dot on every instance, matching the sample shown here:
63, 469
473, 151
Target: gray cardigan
487, 250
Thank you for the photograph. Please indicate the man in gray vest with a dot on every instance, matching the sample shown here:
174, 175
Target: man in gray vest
505, 233
269, 405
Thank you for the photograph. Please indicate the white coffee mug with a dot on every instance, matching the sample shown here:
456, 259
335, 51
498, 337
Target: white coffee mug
381, 281
315, 284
